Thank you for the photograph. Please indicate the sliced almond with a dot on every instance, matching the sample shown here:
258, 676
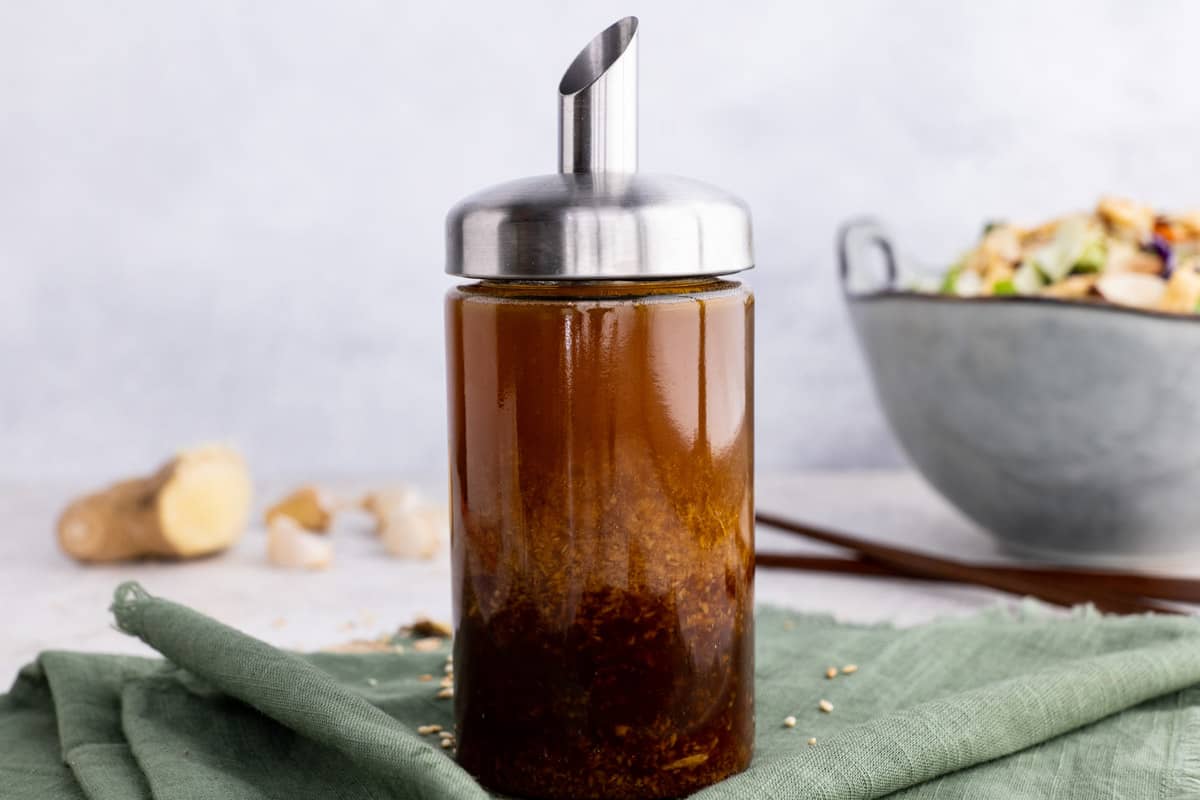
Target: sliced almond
1121, 213
1073, 287
1183, 292
1133, 289
1126, 257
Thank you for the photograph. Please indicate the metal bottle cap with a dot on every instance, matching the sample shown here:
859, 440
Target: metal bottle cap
598, 218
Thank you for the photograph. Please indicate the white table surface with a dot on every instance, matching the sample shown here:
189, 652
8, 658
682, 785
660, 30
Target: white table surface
52, 602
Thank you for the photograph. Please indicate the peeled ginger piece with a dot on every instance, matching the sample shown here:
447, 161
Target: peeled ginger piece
198, 503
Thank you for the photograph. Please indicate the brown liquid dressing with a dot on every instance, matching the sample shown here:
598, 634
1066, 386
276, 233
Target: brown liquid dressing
601, 450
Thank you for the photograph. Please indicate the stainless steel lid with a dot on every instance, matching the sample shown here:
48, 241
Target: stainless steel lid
598, 218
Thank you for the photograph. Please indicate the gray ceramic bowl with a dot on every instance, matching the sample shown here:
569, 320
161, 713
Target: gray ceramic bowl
1071, 431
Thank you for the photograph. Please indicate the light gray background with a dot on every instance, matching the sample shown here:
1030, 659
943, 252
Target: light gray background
224, 220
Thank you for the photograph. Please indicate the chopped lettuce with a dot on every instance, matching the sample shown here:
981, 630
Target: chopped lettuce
1056, 259
950, 282
1002, 288
1028, 279
1093, 258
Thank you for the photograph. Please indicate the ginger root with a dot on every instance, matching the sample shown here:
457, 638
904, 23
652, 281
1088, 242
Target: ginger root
308, 506
290, 544
408, 526
196, 504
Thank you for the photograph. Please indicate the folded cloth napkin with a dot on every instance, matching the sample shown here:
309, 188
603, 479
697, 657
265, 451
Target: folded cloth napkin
1013, 704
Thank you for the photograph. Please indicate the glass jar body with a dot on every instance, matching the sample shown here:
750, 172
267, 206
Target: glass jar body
601, 451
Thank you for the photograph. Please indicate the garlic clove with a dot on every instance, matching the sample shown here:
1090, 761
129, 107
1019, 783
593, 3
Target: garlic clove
290, 545
414, 534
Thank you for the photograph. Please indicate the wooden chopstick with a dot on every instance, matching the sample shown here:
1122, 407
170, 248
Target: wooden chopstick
838, 564
1180, 590
927, 566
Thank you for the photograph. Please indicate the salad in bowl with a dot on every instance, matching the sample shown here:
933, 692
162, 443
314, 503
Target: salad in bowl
1123, 253
1046, 384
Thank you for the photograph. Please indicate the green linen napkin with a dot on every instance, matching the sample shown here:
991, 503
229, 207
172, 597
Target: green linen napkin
1002, 704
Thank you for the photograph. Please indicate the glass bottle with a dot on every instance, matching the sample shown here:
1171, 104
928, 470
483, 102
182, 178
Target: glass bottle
600, 383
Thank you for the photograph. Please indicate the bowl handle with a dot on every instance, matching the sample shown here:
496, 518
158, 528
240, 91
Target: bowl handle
855, 239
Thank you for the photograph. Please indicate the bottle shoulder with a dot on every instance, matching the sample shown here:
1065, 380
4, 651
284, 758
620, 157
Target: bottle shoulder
599, 291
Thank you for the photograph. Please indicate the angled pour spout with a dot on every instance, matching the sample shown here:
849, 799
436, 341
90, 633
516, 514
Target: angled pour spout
598, 217
598, 104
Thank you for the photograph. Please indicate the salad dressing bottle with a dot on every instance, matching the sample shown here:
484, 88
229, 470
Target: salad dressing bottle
600, 387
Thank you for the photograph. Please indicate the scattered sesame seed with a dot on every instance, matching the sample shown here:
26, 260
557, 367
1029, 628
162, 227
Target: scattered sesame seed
425, 730
789, 722
446, 682
449, 669
825, 706
446, 734
831, 673
812, 740
425, 678
447, 744
445, 694
850, 669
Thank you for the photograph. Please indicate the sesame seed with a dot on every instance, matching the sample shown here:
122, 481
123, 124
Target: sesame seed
425, 730
812, 741
445, 694
831, 673
825, 706
447, 744
789, 722
424, 678
850, 669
